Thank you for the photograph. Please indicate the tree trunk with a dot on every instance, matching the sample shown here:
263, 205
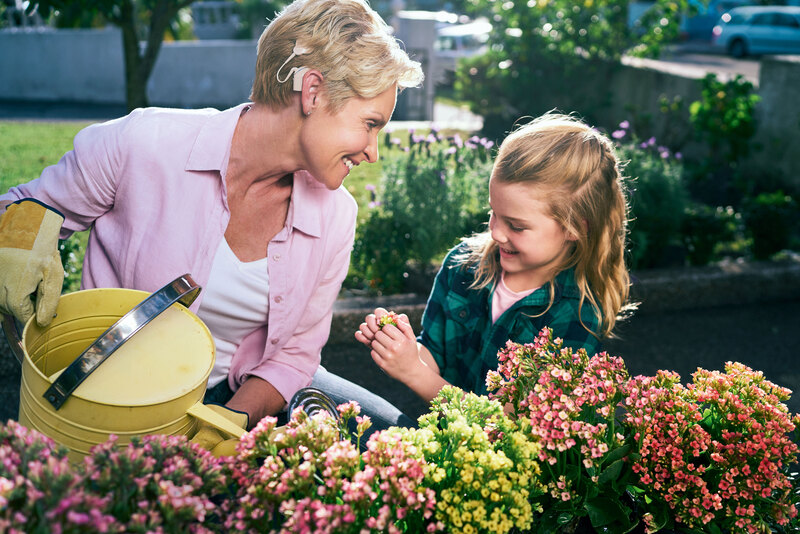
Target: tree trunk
139, 63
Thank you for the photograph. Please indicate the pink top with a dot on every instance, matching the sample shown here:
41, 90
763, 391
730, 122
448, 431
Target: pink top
503, 298
152, 185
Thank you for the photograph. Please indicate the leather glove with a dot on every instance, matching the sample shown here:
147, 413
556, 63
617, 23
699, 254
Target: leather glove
29, 260
216, 441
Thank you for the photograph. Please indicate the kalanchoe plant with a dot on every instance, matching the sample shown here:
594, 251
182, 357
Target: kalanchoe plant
39, 490
158, 484
481, 464
303, 477
389, 318
713, 456
570, 402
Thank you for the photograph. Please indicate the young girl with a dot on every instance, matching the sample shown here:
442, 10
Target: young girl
553, 256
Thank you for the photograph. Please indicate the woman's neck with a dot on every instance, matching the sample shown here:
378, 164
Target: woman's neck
264, 146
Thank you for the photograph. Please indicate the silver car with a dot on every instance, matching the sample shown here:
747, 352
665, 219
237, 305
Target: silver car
754, 30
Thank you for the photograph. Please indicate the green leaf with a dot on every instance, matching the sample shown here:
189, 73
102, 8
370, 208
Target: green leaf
604, 511
619, 452
612, 472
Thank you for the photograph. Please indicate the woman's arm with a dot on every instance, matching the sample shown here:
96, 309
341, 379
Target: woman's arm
257, 398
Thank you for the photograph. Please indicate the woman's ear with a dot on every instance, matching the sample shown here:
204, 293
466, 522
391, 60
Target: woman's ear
310, 98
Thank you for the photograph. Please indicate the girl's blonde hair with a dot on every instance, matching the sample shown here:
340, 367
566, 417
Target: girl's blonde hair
578, 174
347, 41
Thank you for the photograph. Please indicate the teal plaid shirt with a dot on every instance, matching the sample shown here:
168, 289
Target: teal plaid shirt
457, 324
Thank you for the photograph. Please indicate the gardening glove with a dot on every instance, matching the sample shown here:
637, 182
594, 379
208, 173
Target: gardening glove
217, 441
29, 260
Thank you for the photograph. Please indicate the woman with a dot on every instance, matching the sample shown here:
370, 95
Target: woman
248, 200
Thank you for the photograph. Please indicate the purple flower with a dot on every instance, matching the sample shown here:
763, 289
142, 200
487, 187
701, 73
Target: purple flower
369, 187
625, 125
618, 134
457, 141
651, 141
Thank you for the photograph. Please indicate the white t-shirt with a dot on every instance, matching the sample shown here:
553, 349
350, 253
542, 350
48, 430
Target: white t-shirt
235, 303
504, 298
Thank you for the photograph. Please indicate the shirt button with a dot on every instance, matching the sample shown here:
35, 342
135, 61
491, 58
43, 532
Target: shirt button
278, 299
463, 314
274, 340
276, 257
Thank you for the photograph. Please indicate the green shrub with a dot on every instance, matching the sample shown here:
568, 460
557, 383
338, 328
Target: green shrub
658, 198
705, 229
724, 120
431, 193
556, 54
770, 219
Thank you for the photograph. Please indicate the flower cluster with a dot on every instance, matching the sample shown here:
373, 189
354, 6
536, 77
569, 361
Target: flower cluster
714, 453
157, 483
39, 490
481, 464
389, 318
303, 477
570, 401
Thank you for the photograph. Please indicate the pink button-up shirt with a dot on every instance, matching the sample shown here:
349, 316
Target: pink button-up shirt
151, 185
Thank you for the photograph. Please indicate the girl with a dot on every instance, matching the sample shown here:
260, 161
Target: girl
553, 256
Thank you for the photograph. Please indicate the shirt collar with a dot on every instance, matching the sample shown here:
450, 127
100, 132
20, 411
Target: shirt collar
213, 142
210, 152
305, 211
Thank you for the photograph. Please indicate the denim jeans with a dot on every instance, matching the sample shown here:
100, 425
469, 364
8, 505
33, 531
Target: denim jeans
382, 413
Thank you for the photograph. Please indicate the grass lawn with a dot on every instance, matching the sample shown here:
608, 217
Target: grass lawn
28, 147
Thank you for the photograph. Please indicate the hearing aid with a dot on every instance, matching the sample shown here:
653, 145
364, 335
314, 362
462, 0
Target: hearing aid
296, 72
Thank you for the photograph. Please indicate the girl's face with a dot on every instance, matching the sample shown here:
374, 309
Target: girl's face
531, 242
337, 142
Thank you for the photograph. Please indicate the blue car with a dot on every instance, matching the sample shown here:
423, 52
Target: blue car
754, 30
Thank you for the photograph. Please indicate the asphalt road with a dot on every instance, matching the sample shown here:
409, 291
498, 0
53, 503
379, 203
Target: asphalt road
764, 336
696, 59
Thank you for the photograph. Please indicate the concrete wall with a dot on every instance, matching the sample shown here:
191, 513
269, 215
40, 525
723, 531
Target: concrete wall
87, 66
777, 139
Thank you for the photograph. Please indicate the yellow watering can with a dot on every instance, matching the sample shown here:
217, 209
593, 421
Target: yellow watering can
153, 384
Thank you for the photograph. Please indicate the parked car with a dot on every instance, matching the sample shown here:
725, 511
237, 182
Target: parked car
699, 27
758, 30
456, 41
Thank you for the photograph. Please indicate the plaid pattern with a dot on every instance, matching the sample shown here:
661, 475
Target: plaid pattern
457, 324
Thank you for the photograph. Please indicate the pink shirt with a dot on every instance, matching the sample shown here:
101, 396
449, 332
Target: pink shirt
503, 298
152, 186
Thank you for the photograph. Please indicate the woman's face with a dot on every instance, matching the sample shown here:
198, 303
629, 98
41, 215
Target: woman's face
334, 143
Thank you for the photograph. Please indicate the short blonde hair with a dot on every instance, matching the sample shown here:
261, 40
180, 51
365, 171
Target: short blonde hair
576, 170
348, 43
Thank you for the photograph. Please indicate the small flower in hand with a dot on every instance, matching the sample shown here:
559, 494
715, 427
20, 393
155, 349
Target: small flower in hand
389, 318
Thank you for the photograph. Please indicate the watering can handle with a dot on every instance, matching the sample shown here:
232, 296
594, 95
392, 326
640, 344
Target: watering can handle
183, 290
11, 329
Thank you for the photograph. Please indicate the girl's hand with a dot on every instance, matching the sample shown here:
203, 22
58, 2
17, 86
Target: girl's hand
395, 349
367, 330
